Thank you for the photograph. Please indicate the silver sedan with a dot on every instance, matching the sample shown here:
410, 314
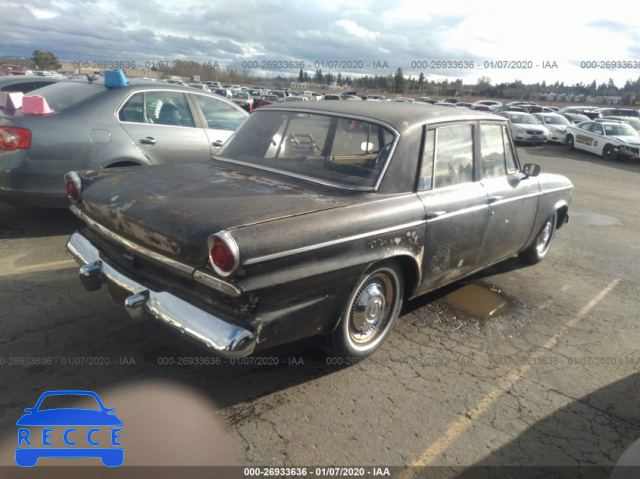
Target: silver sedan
78, 125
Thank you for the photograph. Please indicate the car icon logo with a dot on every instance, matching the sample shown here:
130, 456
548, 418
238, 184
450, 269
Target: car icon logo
80, 432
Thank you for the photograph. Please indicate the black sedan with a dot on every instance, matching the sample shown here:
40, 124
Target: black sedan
314, 219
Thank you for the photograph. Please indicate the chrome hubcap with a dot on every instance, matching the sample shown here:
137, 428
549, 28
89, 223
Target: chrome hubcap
370, 309
543, 239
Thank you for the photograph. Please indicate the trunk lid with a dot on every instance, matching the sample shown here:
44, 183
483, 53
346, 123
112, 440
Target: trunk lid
174, 209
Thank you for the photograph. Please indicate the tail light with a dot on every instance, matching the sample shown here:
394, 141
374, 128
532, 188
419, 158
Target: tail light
74, 186
224, 255
13, 138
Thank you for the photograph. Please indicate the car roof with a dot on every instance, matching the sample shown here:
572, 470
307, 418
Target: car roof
604, 122
25, 78
398, 115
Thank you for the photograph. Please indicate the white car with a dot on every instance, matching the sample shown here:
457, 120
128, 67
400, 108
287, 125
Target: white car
295, 98
610, 140
556, 124
200, 86
525, 128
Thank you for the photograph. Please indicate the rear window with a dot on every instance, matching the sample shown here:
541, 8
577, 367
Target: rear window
61, 96
344, 151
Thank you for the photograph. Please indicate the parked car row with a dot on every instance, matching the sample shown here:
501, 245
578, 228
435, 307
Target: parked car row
612, 137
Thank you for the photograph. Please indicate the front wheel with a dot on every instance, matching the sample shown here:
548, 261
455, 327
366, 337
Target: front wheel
538, 250
570, 142
609, 153
370, 313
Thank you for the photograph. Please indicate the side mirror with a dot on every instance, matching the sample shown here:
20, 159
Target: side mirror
531, 169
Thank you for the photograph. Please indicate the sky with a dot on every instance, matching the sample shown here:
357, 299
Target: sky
374, 37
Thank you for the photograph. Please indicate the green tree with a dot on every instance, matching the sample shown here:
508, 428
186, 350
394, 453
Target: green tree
45, 60
399, 81
301, 76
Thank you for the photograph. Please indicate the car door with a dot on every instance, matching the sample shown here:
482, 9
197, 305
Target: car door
161, 125
455, 205
598, 138
220, 117
512, 197
584, 139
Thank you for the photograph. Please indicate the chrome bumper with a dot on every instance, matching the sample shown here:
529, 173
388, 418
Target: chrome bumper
223, 338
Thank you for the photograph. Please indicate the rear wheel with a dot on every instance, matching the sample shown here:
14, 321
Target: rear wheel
372, 309
538, 250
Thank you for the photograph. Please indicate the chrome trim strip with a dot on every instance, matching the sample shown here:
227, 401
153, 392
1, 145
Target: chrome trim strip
560, 188
305, 249
460, 212
521, 197
207, 279
180, 268
223, 338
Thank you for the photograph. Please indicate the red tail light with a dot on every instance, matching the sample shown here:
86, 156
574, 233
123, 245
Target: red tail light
13, 138
223, 253
74, 186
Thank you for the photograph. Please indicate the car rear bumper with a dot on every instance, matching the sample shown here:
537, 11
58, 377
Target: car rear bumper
219, 336
40, 183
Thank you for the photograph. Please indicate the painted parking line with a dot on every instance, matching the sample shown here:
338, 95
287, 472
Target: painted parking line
465, 421
65, 263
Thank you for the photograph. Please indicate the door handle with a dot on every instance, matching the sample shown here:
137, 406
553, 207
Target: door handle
433, 214
148, 140
493, 199
218, 143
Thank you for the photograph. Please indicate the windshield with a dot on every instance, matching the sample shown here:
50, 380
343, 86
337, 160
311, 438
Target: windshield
556, 120
524, 120
63, 95
329, 149
619, 130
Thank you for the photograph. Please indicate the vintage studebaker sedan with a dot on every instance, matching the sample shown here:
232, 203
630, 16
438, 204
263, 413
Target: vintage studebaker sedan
315, 219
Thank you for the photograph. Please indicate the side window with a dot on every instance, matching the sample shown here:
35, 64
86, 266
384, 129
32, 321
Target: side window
41, 83
132, 110
492, 148
597, 129
218, 114
426, 165
23, 87
454, 155
168, 108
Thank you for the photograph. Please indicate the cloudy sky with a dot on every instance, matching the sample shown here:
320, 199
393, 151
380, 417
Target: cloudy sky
368, 33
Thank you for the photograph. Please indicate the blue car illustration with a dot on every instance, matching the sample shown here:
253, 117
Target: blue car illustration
31, 447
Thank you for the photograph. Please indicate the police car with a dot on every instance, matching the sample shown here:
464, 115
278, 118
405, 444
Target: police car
609, 139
